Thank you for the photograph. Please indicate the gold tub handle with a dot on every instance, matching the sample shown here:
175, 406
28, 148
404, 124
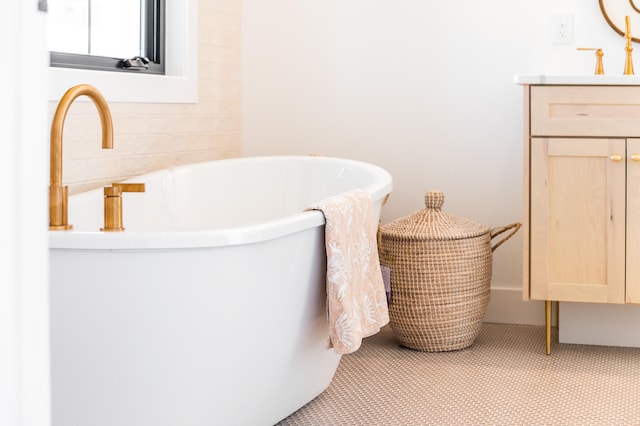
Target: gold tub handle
113, 204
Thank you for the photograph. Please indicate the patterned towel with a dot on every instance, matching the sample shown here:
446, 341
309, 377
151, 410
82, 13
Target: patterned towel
356, 300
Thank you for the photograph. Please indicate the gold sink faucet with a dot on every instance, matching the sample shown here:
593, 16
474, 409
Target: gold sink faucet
58, 194
628, 66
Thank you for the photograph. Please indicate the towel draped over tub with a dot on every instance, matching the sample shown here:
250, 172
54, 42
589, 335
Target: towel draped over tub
356, 299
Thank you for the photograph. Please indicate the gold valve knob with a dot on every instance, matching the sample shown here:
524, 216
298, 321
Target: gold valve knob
599, 55
635, 157
113, 204
616, 158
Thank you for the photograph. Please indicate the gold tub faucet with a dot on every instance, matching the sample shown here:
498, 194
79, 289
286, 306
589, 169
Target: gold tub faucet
58, 194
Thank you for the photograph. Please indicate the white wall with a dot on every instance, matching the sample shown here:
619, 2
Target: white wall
24, 302
422, 88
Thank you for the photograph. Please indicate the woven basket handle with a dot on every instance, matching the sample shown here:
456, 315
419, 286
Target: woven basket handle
497, 231
382, 255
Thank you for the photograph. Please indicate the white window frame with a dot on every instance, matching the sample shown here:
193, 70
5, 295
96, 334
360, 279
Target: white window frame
178, 85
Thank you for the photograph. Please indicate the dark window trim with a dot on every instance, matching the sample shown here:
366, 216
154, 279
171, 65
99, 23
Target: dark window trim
152, 44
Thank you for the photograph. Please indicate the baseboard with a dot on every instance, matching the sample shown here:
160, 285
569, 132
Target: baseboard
581, 323
507, 307
600, 324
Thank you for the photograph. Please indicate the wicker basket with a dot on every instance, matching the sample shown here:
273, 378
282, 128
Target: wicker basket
440, 276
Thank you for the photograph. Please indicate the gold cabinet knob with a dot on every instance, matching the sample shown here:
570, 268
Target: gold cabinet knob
635, 157
616, 158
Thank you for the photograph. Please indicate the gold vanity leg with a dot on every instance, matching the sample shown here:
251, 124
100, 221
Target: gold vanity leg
547, 323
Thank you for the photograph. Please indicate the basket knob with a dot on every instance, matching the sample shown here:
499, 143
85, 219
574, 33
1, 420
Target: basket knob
434, 200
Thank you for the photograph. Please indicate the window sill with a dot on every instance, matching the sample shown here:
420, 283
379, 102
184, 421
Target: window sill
179, 85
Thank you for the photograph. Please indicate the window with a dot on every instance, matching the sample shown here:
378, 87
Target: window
177, 85
110, 35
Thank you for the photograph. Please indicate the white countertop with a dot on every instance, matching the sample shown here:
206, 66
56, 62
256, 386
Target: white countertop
582, 80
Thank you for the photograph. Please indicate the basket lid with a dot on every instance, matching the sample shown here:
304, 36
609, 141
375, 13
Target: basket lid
433, 224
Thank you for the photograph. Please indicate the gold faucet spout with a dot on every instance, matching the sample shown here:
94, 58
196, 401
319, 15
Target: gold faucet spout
58, 194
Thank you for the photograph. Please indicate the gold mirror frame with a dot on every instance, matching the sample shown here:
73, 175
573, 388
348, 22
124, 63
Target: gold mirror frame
614, 12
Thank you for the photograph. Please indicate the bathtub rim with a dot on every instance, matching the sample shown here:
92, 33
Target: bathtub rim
253, 233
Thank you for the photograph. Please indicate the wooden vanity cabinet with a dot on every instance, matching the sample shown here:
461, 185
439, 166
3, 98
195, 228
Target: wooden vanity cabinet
577, 219
582, 194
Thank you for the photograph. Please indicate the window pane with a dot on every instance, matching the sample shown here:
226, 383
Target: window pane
100, 34
115, 28
108, 28
68, 26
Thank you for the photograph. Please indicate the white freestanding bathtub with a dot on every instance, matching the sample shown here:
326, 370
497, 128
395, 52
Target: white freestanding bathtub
209, 309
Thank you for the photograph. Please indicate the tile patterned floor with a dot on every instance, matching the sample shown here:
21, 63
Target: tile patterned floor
505, 378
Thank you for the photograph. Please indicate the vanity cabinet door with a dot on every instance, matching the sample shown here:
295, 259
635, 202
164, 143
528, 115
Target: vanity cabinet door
633, 221
577, 220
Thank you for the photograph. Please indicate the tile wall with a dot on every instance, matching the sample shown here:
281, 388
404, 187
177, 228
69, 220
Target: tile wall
149, 137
